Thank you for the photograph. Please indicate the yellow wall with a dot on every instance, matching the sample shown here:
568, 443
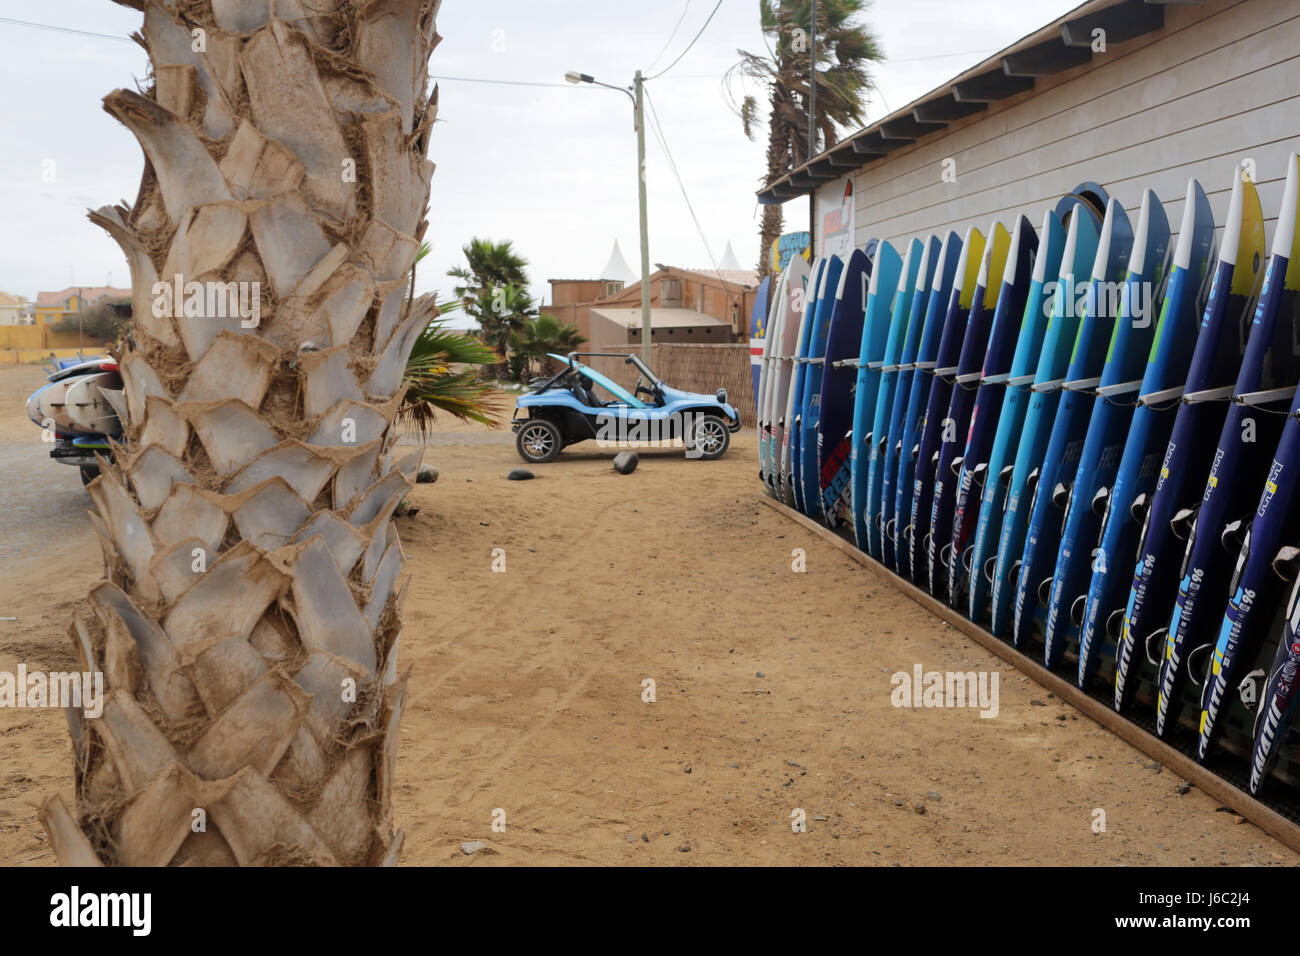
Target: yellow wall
39, 337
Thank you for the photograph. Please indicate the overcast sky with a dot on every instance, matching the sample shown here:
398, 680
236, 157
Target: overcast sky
550, 167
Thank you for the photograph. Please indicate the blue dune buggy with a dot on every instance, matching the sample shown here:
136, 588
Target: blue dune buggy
566, 409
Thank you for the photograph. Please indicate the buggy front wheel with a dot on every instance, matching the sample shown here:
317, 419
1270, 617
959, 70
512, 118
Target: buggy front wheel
538, 441
708, 438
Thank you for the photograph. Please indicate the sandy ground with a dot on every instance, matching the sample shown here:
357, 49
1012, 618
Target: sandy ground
772, 688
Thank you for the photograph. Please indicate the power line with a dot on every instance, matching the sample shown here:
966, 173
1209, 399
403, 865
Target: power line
658, 130
689, 45
481, 79
670, 36
56, 29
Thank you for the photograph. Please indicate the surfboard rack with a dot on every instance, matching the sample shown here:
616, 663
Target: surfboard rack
1267, 397
1263, 813
1152, 399
1209, 395
1000, 379
1051, 386
1082, 384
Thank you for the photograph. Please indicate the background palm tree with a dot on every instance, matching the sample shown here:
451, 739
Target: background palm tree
442, 375
845, 48
494, 290
248, 627
542, 335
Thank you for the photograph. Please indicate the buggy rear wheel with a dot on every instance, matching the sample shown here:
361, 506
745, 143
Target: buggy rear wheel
538, 441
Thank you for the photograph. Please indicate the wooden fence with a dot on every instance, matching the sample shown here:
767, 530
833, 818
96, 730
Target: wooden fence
703, 367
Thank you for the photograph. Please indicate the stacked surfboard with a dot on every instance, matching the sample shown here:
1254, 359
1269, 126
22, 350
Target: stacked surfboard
80, 409
1084, 435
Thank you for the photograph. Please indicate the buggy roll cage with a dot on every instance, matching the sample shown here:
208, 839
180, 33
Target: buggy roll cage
629, 358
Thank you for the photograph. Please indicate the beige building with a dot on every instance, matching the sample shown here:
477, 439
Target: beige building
687, 305
13, 309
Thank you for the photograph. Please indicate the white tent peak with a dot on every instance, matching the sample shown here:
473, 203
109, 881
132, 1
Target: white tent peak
617, 269
729, 261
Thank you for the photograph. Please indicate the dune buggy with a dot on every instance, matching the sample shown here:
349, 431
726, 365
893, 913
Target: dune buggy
566, 409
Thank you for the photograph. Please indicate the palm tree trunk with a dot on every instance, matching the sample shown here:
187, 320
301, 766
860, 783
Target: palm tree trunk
248, 627
777, 166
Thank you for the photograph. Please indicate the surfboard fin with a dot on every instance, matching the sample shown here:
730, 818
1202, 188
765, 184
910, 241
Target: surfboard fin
1286, 562
887, 529
956, 465
1139, 508
1100, 502
989, 564
1004, 476
1045, 591
967, 557
1013, 572
884, 443
1204, 670
1061, 494
916, 451
1115, 624
1181, 523
1076, 609
1233, 534
978, 472
944, 555
1156, 636
866, 442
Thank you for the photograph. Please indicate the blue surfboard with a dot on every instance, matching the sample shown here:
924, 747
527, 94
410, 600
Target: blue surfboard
1107, 428
1077, 260
1011, 418
886, 374
898, 401
1187, 456
972, 467
965, 384
791, 458
930, 445
834, 431
810, 398
1152, 420
937, 296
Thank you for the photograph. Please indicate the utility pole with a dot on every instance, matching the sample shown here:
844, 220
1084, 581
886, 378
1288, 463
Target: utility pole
812, 85
637, 95
646, 330
812, 122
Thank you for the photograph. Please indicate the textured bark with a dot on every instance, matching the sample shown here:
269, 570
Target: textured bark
252, 563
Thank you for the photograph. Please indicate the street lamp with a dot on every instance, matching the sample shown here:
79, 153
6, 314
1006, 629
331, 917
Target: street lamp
638, 106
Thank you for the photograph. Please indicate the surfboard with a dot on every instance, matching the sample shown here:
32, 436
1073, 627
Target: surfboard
965, 383
1257, 585
810, 399
1252, 428
936, 295
1107, 428
845, 339
794, 294
763, 424
884, 282
1181, 307
887, 374
1011, 417
897, 401
1011, 297
799, 353
1277, 711
759, 327
1187, 456
960, 302
1077, 259
1069, 428
48, 406
87, 407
